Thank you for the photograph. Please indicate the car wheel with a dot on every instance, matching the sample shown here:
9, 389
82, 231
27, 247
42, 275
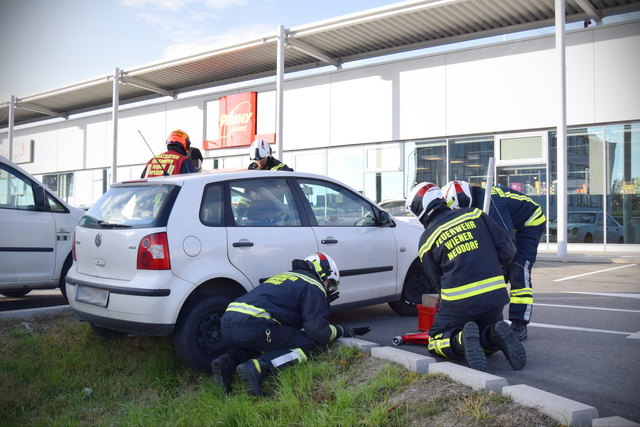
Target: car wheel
16, 293
588, 238
106, 333
63, 274
197, 338
415, 284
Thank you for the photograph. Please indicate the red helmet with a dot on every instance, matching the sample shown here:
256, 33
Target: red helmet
180, 137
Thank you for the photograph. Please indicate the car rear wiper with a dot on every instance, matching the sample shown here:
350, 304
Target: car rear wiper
106, 224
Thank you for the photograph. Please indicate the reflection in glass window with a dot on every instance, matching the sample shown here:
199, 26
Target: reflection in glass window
469, 159
211, 206
585, 172
263, 203
623, 179
430, 162
15, 192
336, 207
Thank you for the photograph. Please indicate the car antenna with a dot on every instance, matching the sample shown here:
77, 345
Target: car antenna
154, 154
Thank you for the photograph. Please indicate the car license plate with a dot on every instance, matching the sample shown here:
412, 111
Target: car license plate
93, 296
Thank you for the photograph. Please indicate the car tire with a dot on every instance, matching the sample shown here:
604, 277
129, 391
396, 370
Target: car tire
197, 338
15, 294
415, 284
106, 333
62, 285
588, 238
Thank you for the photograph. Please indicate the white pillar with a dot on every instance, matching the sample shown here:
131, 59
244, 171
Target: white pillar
279, 91
486, 205
114, 124
561, 188
12, 111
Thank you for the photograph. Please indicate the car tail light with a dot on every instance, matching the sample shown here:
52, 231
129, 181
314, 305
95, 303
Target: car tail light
153, 252
73, 247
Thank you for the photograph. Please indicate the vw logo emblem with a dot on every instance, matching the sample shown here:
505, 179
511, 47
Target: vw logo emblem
98, 239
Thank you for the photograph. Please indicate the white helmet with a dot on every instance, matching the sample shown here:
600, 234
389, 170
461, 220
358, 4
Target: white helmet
458, 194
259, 150
422, 198
326, 269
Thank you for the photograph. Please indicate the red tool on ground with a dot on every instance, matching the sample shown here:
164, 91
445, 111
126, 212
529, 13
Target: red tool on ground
425, 320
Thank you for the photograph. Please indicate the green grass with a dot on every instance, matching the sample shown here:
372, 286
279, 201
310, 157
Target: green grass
54, 371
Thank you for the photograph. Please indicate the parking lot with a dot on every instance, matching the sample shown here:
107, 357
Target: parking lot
584, 339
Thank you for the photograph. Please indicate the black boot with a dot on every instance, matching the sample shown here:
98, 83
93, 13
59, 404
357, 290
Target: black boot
505, 339
222, 369
473, 352
251, 375
519, 328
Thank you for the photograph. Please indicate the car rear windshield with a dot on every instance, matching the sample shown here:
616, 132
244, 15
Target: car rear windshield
132, 206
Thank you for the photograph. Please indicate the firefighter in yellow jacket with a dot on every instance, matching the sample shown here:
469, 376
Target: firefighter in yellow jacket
173, 161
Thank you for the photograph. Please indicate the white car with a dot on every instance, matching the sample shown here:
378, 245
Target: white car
588, 227
36, 228
396, 208
167, 255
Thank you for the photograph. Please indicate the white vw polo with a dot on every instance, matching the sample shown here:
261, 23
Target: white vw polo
167, 255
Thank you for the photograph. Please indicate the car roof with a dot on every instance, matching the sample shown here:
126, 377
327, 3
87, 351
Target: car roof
216, 175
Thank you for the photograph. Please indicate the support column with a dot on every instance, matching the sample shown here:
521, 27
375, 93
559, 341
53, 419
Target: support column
12, 112
279, 91
561, 189
114, 124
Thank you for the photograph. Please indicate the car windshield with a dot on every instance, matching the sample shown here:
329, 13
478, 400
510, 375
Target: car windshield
581, 217
142, 206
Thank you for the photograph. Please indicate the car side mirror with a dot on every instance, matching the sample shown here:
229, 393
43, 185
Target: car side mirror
384, 218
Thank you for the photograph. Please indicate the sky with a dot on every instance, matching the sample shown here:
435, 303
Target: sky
48, 44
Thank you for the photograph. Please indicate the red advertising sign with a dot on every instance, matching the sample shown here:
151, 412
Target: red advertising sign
237, 122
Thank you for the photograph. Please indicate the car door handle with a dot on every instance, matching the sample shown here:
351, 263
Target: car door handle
242, 244
327, 241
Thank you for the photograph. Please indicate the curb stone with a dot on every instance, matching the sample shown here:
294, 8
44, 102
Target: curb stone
561, 409
477, 380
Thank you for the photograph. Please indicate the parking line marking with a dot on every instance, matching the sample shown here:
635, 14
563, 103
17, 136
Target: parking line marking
587, 308
608, 294
633, 335
594, 272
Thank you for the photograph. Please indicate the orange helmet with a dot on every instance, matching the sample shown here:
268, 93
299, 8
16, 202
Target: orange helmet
180, 137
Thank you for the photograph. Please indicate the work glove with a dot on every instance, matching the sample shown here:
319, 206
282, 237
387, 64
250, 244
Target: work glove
333, 295
352, 332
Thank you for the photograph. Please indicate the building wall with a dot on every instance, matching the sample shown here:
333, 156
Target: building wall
506, 87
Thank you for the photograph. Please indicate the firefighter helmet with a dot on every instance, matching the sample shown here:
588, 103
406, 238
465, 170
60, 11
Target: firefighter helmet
458, 194
326, 269
422, 198
259, 150
180, 137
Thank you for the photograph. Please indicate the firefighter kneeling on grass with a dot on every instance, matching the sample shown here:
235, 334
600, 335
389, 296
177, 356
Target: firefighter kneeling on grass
462, 252
263, 328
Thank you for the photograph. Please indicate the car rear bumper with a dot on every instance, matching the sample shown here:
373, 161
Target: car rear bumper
140, 310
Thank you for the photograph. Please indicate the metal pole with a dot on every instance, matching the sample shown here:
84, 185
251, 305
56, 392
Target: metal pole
114, 124
279, 90
561, 188
487, 191
12, 108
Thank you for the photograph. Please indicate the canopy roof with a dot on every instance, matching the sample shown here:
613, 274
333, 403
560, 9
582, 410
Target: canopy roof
390, 29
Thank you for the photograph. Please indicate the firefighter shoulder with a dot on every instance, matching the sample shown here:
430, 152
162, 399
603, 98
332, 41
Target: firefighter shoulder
172, 162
